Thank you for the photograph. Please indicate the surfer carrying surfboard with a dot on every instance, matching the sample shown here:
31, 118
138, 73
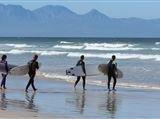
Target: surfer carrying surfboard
112, 72
81, 63
4, 75
33, 67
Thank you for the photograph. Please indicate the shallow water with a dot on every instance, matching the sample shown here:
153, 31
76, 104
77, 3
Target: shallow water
139, 59
59, 99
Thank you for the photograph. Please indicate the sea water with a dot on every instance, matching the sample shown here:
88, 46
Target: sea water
138, 58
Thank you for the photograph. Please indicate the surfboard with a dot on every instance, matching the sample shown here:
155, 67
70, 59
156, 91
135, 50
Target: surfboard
104, 69
21, 70
3, 68
91, 70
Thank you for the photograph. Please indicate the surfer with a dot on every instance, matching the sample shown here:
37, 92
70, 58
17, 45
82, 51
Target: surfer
81, 63
112, 72
4, 75
33, 67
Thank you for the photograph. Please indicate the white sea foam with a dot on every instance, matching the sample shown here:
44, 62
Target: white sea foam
97, 82
66, 42
56, 76
100, 46
68, 46
113, 49
105, 47
140, 86
109, 45
132, 85
90, 55
20, 45
46, 52
155, 48
119, 55
157, 43
52, 53
16, 51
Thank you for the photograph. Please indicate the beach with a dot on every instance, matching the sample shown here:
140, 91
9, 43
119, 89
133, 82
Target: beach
110, 48
58, 99
137, 94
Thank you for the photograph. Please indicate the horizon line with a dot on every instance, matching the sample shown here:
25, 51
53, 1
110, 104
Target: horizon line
85, 1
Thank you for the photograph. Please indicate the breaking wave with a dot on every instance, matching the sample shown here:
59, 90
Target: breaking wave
66, 42
16, 51
113, 49
83, 46
89, 55
20, 45
101, 46
157, 43
119, 55
109, 45
68, 46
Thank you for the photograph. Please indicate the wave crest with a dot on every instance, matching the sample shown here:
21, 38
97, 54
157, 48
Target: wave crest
68, 46
20, 45
65, 42
118, 55
16, 51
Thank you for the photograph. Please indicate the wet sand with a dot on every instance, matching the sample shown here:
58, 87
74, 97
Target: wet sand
58, 99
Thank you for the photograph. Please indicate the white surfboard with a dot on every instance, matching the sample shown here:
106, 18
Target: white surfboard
3, 68
91, 70
21, 70
104, 69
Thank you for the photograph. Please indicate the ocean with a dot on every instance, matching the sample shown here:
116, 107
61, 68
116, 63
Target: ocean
138, 58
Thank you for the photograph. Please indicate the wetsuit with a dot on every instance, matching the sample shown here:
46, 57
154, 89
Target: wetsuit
4, 75
33, 66
112, 69
81, 63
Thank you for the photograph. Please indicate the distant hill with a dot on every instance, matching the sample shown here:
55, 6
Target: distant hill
59, 21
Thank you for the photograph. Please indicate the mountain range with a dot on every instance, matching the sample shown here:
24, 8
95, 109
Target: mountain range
59, 21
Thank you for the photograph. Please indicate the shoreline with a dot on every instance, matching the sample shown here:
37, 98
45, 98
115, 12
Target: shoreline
58, 99
71, 80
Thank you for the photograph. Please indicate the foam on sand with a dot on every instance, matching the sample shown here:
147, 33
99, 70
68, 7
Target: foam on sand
72, 79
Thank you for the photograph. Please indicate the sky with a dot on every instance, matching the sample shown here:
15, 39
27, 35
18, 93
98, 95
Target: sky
147, 9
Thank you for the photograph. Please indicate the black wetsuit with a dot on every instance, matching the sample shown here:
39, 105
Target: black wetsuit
4, 75
112, 69
33, 66
81, 63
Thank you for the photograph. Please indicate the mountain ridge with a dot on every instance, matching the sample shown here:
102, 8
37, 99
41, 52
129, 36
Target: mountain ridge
59, 21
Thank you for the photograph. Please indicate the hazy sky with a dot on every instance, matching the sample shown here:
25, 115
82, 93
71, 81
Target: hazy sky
114, 8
